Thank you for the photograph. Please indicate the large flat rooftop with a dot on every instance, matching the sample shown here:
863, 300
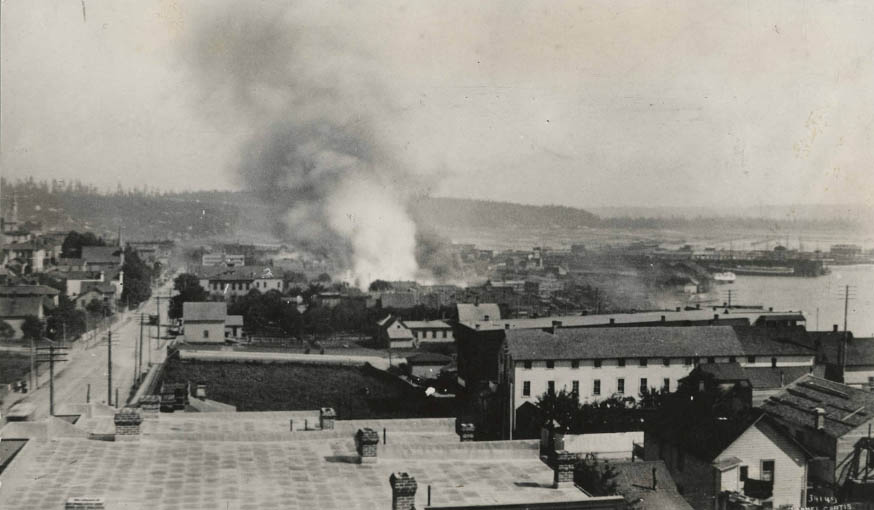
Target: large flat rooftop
747, 316
253, 461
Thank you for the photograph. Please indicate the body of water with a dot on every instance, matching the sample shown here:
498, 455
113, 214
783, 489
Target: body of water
821, 297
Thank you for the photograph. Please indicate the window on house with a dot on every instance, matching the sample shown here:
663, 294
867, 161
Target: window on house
576, 387
526, 389
768, 470
644, 385
575, 363
598, 365
550, 364
621, 362
596, 387
444, 333
666, 384
751, 359
732, 359
644, 362
666, 362
550, 387
687, 362
620, 385
205, 333
744, 473
773, 362
711, 359
527, 365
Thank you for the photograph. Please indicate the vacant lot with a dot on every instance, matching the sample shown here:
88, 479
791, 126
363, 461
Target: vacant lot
14, 367
354, 392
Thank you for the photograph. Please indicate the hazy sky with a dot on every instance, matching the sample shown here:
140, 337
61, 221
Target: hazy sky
575, 103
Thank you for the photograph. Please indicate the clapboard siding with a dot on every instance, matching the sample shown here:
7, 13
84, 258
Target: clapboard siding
762, 442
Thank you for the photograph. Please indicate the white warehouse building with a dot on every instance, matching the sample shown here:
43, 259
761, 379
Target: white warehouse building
597, 363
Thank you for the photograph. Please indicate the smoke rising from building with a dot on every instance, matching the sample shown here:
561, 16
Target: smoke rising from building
316, 151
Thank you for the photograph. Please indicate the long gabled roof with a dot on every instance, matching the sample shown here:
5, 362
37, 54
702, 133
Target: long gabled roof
760, 378
102, 254
613, 342
17, 307
437, 324
468, 312
846, 408
28, 290
209, 311
764, 341
662, 317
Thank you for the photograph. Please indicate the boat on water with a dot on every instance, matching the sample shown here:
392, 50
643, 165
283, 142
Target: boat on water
725, 277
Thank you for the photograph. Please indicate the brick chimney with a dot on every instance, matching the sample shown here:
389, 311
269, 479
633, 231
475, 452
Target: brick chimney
564, 469
127, 424
556, 325
327, 415
835, 328
150, 405
82, 503
466, 430
366, 441
403, 491
819, 422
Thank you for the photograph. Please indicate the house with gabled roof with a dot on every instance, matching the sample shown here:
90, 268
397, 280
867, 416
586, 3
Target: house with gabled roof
393, 334
834, 421
102, 257
759, 382
748, 455
204, 322
14, 310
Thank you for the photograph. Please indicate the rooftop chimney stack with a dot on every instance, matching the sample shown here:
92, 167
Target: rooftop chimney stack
835, 328
466, 430
820, 418
327, 415
84, 503
556, 325
564, 469
403, 491
366, 441
127, 424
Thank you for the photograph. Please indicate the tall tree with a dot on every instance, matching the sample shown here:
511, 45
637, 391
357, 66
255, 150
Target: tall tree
137, 279
6, 330
32, 327
73, 243
189, 290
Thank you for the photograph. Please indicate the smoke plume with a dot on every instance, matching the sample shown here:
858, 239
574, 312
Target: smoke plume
315, 146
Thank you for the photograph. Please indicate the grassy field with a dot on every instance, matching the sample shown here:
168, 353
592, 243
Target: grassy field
354, 392
13, 367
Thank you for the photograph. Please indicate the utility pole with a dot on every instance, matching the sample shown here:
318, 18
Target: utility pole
109, 367
54, 354
846, 295
844, 341
140, 366
34, 377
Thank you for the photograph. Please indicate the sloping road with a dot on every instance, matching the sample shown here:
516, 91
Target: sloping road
88, 361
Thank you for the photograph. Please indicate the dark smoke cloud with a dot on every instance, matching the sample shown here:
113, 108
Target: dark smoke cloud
316, 152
